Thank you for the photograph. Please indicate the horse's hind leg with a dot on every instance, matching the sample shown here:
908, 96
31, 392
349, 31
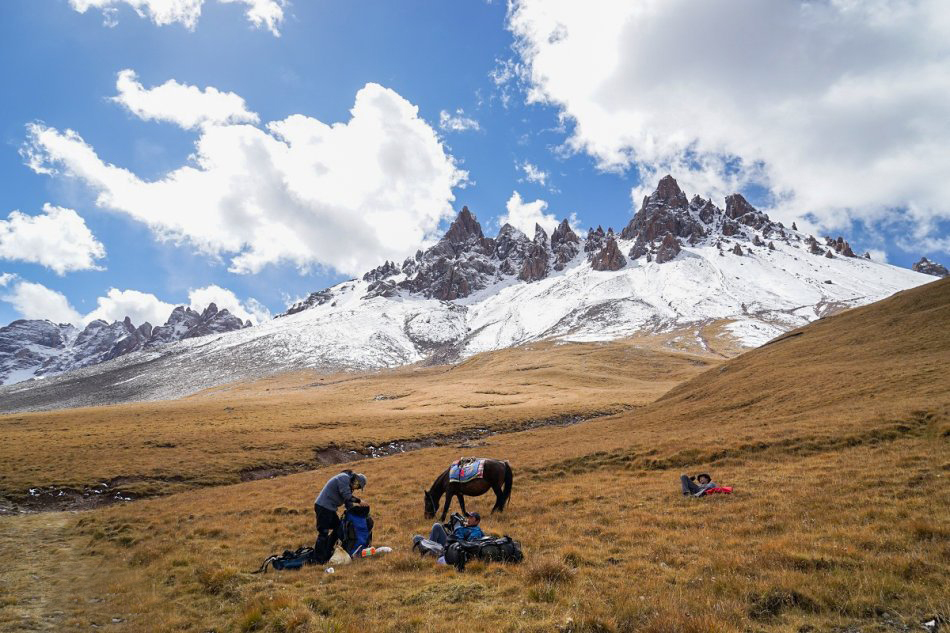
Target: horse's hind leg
498, 492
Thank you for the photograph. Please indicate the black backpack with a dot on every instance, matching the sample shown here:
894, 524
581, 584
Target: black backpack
290, 559
490, 549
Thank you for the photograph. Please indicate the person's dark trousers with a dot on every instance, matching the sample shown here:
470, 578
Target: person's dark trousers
328, 533
689, 488
439, 535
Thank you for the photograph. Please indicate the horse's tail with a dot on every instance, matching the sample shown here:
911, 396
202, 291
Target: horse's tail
506, 490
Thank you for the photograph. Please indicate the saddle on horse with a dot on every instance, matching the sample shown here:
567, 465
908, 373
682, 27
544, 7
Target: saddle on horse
466, 469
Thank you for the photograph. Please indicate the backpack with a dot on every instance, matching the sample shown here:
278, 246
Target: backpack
290, 559
356, 530
490, 549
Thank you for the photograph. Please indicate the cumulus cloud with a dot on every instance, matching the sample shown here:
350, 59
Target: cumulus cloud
181, 104
268, 14
58, 239
457, 122
533, 173
524, 215
138, 306
36, 301
345, 196
838, 108
251, 310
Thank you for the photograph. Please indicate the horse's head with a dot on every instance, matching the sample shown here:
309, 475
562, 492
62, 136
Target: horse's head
429, 505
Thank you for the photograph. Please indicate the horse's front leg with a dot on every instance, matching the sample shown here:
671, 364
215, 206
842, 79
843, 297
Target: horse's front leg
445, 508
462, 504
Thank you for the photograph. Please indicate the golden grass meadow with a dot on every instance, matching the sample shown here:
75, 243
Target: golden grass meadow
835, 437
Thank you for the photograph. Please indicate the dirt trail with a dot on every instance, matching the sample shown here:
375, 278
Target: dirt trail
38, 564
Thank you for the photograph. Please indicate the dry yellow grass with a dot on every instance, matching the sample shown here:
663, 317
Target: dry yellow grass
839, 521
211, 438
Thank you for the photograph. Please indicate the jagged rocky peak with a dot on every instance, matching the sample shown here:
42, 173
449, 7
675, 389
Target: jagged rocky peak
565, 245
664, 211
38, 348
928, 267
535, 264
388, 269
609, 257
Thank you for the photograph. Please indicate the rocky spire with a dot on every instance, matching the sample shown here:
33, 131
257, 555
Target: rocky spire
609, 257
664, 211
669, 249
536, 262
464, 227
928, 267
564, 244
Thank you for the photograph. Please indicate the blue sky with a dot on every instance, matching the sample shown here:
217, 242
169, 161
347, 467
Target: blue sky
590, 140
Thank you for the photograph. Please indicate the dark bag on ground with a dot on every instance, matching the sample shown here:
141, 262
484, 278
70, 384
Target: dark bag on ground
356, 530
290, 559
490, 549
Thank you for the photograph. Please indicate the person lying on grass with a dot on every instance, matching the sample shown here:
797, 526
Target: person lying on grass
337, 492
690, 487
467, 531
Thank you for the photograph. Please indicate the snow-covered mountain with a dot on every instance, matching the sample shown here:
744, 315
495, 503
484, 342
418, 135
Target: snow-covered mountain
679, 265
31, 348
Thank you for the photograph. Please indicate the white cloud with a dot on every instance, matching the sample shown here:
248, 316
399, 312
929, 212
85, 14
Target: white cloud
839, 108
181, 104
533, 173
457, 122
524, 215
878, 255
261, 13
36, 301
346, 196
252, 309
58, 239
138, 306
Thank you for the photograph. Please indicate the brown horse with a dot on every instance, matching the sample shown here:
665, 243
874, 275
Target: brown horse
496, 476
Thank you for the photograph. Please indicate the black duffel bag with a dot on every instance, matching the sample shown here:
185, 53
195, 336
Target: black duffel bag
490, 549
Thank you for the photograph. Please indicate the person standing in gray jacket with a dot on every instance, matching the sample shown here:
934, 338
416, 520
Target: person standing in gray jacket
337, 492
690, 487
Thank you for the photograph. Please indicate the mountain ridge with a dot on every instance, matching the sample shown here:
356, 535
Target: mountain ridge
680, 264
38, 347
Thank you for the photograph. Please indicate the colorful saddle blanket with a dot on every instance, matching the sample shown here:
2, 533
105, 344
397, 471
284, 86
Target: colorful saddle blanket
468, 469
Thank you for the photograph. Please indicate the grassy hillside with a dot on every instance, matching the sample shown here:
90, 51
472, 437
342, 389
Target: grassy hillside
302, 420
837, 440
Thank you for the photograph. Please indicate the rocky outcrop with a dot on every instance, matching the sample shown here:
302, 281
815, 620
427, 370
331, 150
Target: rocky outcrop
457, 265
609, 257
535, 264
388, 269
26, 345
668, 250
664, 211
928, 267
565, 245
737, 250
840, 246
